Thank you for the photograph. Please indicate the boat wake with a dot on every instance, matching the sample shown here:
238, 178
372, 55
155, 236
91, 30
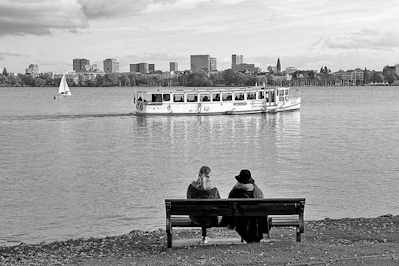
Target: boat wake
51, 117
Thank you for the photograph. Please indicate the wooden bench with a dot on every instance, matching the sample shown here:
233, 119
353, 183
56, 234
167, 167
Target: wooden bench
176, 208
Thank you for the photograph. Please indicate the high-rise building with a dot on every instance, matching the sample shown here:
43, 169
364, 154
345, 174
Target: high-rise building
81, 65
111, 65
33, 70
200, 63
140, 68
212, 64
236, 59
143, 68
278, 66
134, 68
173, 66
151, 68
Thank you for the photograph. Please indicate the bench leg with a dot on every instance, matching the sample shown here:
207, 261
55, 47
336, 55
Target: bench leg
269, 225
169, 239
298, 235
203, 229
168, 231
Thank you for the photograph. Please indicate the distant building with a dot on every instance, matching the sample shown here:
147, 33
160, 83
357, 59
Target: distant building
200, 63
33, 70
349, 77
173, 67
134, 68
94, 68
212, 64
236, 59
81, 65
272, 69
111, 65
278, 66
246, 68
151, 68
397, 69
290, 70
139, 68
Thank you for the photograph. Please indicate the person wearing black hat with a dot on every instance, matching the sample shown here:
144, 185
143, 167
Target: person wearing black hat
250, 229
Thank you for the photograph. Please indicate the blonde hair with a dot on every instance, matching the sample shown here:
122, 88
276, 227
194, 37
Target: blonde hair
203, 182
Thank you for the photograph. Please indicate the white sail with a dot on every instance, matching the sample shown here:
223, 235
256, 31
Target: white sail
63, 89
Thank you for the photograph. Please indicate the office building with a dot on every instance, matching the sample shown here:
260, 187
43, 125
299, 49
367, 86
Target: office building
151, 68
200, 63
247, 68
236, 59
212, 64
173, 67
134, 68
33, 70
111, 65
139, 68
81, 65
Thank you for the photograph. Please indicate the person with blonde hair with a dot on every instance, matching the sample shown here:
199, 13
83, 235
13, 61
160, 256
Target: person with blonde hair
202, 188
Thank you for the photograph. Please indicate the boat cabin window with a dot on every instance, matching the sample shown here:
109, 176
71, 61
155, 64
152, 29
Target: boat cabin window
166, 97
270, 97
273, 96
286, 92
192, 98
239, 96
261, 95
178, 98
280, 92
216, 97
205, 98
251, 95
227, 97
156, 98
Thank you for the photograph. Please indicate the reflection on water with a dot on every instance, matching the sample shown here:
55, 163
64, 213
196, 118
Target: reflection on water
75, 173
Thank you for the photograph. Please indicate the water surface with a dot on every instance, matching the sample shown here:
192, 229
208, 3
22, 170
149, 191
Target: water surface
85, 166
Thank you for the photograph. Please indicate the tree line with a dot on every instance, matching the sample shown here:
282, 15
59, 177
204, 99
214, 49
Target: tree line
201, 79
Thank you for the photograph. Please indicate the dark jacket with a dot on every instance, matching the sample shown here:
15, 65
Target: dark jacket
250, 229
194, 192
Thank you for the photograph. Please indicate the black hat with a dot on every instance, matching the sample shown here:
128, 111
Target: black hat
245, 177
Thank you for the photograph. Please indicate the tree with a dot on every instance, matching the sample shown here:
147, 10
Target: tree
199, 79
5, 72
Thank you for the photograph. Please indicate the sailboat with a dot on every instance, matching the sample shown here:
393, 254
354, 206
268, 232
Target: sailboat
63, 89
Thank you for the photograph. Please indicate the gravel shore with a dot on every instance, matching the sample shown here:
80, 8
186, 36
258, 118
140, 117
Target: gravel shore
349, 241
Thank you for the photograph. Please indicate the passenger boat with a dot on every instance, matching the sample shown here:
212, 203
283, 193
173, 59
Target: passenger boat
215, 100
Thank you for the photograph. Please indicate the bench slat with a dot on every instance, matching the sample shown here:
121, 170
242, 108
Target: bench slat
235, 210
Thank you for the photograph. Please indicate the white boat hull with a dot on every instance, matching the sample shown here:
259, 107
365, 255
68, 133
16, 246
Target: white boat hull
216, 108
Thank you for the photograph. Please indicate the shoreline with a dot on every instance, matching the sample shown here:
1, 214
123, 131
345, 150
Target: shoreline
213, 86
324, 241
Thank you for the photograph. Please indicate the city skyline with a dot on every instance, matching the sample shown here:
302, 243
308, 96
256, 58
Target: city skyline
305, 34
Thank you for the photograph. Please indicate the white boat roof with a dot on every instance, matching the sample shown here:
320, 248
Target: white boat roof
201, 89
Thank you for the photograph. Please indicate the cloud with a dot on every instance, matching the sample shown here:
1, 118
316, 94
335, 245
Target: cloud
365, 39
105, 8
40, 16
3, 55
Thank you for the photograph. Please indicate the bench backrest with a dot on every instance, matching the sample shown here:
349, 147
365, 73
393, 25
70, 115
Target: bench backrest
234, 207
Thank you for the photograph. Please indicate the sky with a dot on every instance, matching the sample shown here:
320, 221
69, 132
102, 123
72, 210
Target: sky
306, 34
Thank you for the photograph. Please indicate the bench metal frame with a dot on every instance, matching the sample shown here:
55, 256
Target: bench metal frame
235, 207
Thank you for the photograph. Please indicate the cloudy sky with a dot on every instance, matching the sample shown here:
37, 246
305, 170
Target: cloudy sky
303, 33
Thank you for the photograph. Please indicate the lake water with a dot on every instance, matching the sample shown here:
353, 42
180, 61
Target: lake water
83, 166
